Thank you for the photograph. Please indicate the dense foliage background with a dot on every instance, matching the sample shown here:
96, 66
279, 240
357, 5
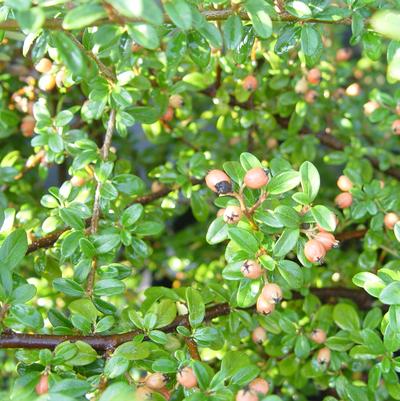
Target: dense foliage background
113, 262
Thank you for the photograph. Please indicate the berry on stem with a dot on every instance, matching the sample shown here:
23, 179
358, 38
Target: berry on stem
232, 214
259, 335
259, 386
28, 126
324, 356
250, 83
43, 386
263, 306
186, 377
353, 90
47, 82
156, 381
310, 96
246, 395
327, 240
251, 269
318, 336
256, 178
272, 293
314, 76
343, 54
344, 183
314, 251
344, 200
218, 182
396, 127
390, 220
168, 115
44, 65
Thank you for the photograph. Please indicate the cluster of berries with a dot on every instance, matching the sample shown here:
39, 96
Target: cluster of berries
316, 248
255, 388
344, 199
152, 383
174, 102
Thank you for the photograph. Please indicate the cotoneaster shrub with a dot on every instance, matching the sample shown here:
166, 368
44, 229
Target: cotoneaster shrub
199, 200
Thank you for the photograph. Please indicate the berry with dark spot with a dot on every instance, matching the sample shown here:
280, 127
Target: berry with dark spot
259, 335
324, 356
250, 83
272, 293
396, 127
232, 214
263, 306
314, 251
251, 269
218, 182
327, 240
186, 377
318, 336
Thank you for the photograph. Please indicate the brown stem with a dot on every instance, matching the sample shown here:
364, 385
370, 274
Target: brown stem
192, 348
107, 342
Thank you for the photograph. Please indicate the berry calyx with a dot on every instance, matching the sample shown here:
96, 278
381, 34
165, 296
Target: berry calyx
218, 182
390, 220
156, 381
250, 83
43, 386
324, 356
246, 395
259, 386
314, 76
328, 240
259, 335
251, 269
44, 65
272, 293
344, 183
232, 214
396, 127
314, 251
318, 336
186, 377
256, 178
263, 306
175, 101
344, 200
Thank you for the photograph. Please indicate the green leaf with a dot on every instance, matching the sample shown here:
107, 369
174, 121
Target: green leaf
346, 317
232, 32
109, 287
83, 15
196, 306
287, 216
199, 206
245, 239
291, 272
131, 215
310, 180
180, 13
31, 20
144, 34
249, 161
283, 182
390, 295
217, 232
324, 217
370, 282
68, 287
258, 13
286, 242
13, 249
85, 355
144, 9
299, 9
133, 350
247, 292
387, 22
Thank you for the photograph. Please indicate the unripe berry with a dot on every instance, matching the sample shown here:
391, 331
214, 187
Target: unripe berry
175, 101
327, 240
47, 82
156, 381
143, 393
263, 306
272, 293
353, 90
344, 200
218, 182
220, 212
186, 378
396, 127
232, 214
314, 76
43, 386
28, 126
77, 181
318, 336
390, 220
310, 96
256, 178
168, 115
259, 335
246, 395
344, 183
343, 55
250, 83
324, 356
259, 386
314, 251
370, 107
251, 269
44, 65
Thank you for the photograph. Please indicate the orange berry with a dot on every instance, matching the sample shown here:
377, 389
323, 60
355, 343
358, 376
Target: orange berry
220, 212
232, 214
186, 378
324, 356
256, 178
28, 126
44, 65
390, 220
251, 269
218, 182
263, 306
314, 251
142, 393
47, 82
344, 183
272, 143
156, 381
246, 395
168, 115
343, 54
259, 386
344, 200
259, 335
318, 336
43, 386
310, 96
314, 76
396, 127
77, 181
272, 293
250, 83
327, 240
